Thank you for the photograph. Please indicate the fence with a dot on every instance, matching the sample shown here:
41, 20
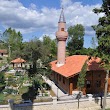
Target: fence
48, 105
32, 106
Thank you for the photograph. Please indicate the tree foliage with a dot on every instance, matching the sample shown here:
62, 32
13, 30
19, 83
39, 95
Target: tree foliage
103, 31
35, 50
82, 75
13, 39
76, 39
103, 36
50, 46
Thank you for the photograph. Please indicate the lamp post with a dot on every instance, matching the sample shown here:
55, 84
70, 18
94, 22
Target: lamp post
106, 86
57, 86
78, 97
9, 49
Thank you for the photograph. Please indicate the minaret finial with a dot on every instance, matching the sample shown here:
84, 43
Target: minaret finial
62, 18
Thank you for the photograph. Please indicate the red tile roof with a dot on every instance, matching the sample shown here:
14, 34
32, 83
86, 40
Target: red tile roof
74, 64
3, 51
18, 60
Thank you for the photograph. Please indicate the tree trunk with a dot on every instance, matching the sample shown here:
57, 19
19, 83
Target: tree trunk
105, 92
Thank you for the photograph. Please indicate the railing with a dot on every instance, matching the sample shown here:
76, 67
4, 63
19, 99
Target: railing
33, 106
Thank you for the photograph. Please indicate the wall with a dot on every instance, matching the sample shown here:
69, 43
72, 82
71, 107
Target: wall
92, 76
58, 79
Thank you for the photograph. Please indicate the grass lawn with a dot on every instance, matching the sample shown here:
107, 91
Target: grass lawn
23, 90
2, 64
108, 109
2, 85
16, 98
2, 99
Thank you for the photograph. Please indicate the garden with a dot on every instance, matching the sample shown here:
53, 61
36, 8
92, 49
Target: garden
17, 85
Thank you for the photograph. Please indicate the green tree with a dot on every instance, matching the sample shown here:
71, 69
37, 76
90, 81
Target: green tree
33, 51
81, 79
76, 38
82, 75
50, 46
13, 40
94, 42
103, 36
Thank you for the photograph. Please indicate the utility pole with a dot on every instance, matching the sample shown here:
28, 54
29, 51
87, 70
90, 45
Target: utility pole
9, 49
106, 86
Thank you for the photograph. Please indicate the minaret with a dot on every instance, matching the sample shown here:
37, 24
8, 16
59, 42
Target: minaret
61, 36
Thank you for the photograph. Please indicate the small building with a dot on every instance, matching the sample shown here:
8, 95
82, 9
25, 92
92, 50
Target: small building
66, 70
18, 63
3, 52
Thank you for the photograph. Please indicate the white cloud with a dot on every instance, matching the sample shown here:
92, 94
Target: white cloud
65, 2
14, 14
33, 6
26, 20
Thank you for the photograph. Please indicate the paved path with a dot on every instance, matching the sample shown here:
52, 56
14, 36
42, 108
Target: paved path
58, 91
4, 67
55, 89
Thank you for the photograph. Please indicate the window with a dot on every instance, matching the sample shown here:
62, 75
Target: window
63, 80
88, 84
99, 75
62, 29
59, 77
98, 83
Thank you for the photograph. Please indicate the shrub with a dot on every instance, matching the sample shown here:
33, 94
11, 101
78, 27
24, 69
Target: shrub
15, 91
46, 86
46, 94
18, 73
14, 85
1, 58
9, 91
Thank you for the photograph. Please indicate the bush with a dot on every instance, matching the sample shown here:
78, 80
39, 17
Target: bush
1, 58
18, 73
46, 94
14, 85
9, 91
46, 86
15, 91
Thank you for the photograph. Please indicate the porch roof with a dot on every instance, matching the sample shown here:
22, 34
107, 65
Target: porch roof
74, 65
18, 60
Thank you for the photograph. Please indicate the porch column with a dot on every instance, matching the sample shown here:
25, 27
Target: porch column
70, 86
21, 64
13, 65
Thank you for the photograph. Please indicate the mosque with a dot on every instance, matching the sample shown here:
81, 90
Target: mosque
65, 70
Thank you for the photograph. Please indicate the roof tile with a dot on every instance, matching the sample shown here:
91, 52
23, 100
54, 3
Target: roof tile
74, 65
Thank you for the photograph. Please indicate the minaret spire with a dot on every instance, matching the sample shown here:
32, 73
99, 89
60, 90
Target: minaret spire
61, 36
62, 18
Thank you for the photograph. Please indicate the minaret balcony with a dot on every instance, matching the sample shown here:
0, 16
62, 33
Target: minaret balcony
61, 35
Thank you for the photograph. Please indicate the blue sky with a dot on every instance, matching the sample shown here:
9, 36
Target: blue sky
36, 18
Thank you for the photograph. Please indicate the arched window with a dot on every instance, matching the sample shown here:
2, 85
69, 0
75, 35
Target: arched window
88, 84
62, 29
